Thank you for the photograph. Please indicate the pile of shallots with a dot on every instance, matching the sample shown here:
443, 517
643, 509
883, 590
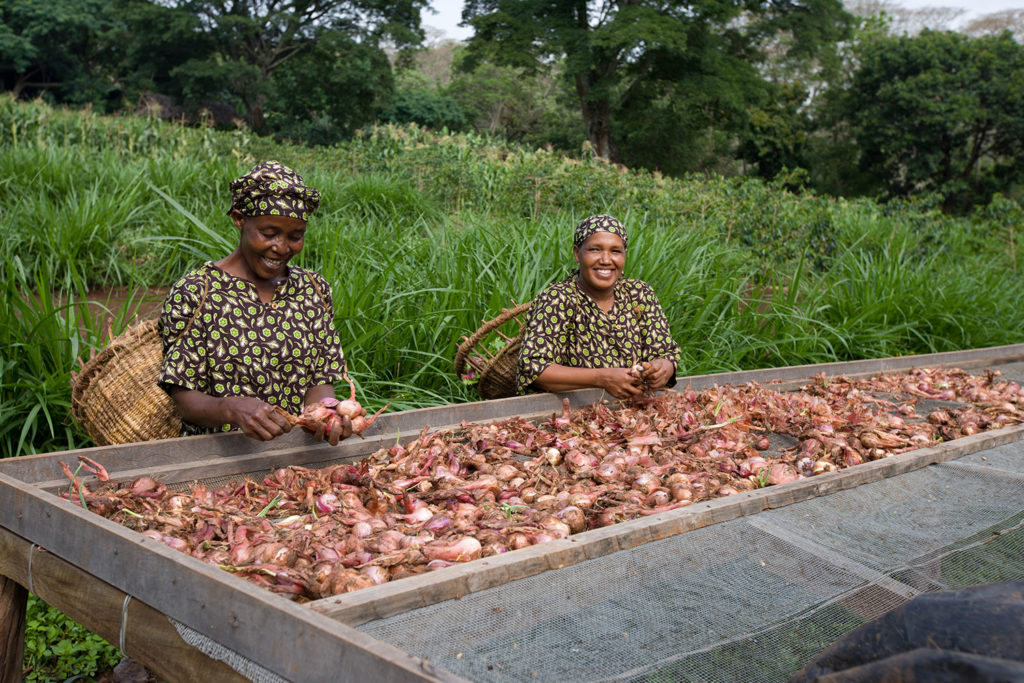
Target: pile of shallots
485, 489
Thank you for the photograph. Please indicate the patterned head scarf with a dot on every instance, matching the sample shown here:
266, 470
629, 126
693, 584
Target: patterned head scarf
600, 223
273, 189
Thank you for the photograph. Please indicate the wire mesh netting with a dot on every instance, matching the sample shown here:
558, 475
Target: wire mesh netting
752, 599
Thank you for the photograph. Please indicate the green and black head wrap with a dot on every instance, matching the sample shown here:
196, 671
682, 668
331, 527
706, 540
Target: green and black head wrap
599, 223
273, 189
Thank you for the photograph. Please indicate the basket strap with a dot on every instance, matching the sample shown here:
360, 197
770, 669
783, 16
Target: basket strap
323, 300
202, 302
471, 341
312, 281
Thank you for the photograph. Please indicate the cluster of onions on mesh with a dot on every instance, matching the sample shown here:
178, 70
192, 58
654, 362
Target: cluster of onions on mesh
485, 489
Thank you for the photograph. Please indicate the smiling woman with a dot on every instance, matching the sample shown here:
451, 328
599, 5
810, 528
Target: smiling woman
250, 339
597, 328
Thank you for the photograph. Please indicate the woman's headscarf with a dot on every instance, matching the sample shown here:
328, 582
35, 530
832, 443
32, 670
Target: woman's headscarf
273, 189
599, 223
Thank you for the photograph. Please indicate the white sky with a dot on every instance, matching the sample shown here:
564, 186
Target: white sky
975, 8
450, 12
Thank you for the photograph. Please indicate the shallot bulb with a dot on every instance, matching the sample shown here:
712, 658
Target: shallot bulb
573, 517
326, 504
464, 549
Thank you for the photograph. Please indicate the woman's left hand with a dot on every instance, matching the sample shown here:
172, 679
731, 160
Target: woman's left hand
657, 372
333, 431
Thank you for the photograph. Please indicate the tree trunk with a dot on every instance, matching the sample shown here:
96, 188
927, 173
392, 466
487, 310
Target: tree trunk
254, 113
597, 118
13, 604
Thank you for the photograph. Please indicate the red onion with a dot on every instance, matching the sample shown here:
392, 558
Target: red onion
326, 504
573, 517
463, 549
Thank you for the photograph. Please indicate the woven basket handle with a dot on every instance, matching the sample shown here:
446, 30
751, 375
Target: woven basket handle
466, 346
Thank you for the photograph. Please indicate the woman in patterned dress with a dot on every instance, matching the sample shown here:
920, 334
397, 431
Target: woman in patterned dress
250, 334
593, 328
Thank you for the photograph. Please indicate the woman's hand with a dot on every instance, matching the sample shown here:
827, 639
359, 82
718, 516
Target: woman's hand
619, 382
335, 427
657, 372
257, 419
332, 429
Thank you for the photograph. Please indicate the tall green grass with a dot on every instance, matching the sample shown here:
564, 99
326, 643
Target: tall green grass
423, 236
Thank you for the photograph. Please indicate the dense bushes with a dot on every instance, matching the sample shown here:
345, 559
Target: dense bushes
423, 235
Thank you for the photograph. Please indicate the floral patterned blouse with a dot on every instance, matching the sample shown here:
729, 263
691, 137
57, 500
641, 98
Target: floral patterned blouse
237, 345
567, 327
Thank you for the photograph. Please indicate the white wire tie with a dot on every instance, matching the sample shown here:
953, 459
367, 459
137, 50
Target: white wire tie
124, 620
31, 554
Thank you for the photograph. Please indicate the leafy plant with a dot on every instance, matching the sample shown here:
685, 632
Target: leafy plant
57, 648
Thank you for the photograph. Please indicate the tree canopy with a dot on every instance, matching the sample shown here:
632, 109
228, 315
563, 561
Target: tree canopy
52, 45
253, 38
628, 55
939, 112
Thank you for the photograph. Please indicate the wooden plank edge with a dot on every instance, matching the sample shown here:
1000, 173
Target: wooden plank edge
300, 645
150, 637
393, 598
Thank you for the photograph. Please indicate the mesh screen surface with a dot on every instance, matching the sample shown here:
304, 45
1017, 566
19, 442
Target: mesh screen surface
753, 599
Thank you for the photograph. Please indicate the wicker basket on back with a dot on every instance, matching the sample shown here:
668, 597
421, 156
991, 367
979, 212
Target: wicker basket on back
495, 370
115, 396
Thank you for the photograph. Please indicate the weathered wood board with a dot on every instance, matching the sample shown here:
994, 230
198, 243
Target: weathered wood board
89, 600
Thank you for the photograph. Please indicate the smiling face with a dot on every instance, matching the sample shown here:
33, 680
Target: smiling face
602, 256
267, 244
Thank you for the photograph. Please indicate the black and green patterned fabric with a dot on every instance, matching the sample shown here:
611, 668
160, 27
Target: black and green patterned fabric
239, 346
602, 222
567, 327
273, 189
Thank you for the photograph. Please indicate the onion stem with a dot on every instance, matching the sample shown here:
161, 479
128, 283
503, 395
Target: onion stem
272, 504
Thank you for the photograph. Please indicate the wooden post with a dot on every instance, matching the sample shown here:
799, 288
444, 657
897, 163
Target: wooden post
13, 604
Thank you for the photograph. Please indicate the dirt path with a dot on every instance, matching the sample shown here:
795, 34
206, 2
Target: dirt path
132, 305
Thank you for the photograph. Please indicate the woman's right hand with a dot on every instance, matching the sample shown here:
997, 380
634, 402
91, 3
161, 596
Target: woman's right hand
257, 419
619, 382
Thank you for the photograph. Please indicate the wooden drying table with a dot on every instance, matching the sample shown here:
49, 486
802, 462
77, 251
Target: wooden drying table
142, 596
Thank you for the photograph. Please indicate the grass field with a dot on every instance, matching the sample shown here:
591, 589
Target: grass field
422, 236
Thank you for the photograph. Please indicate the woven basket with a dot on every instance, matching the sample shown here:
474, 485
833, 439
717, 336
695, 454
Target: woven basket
115, 397
496, 371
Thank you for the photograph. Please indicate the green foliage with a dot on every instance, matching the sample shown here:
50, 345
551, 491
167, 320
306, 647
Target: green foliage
58, 649
315, 61
53, 47
263, 37
328, 91
148, 42
424, 235
779, 227
388, 198
417, 101
627, 56
775, 135
533, 108
939, 112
